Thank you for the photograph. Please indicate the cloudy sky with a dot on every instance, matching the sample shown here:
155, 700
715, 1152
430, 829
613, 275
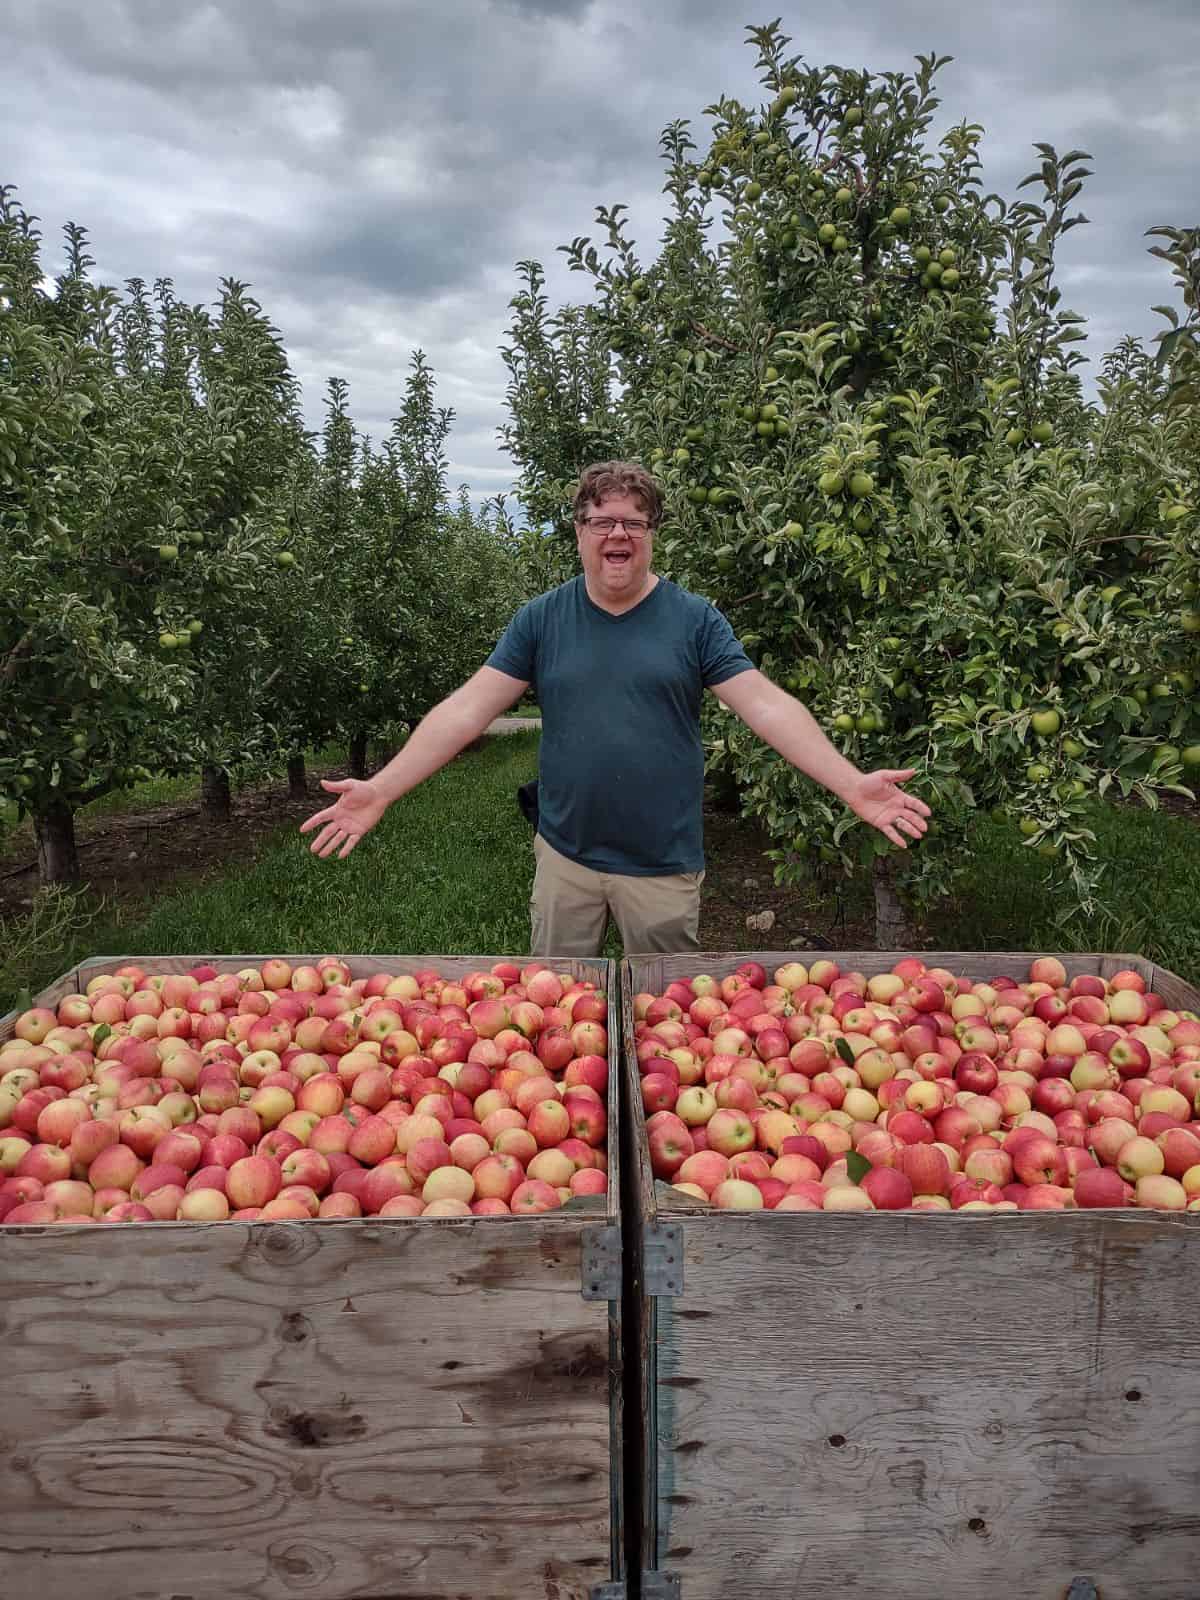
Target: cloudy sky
374, 168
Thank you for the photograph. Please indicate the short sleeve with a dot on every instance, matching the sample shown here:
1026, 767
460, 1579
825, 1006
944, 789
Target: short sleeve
516, 649
721, 654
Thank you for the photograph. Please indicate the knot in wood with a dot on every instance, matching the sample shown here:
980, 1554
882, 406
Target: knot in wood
295, 1327
285, 1242
303, 1565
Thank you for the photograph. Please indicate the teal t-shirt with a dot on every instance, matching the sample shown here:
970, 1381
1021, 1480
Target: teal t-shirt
621, 774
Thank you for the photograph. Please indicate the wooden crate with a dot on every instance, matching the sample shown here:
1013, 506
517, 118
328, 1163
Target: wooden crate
379, 1407
928, 1406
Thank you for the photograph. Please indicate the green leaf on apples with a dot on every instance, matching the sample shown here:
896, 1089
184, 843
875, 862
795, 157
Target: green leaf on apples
101, 1033
843, 1049
857, 1166
23, 1001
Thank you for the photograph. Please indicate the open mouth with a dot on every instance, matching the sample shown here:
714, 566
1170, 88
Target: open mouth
616, 559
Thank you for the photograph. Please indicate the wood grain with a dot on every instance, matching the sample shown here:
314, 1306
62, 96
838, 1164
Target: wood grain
987, 1407
358, 1408
853, 1405
393, 1408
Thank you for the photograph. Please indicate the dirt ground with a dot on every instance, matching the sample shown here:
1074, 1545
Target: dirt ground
169, 845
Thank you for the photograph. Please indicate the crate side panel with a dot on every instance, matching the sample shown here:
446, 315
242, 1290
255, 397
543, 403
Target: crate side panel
349, 1409
989, 1410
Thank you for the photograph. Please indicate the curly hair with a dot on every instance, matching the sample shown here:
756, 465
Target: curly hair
618, 477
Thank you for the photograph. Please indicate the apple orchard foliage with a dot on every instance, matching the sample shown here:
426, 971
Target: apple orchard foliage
281, 1092
395, 596
851, 370
188, 580
920, 1088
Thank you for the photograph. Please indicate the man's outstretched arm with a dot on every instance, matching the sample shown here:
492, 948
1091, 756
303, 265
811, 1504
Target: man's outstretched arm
437, 739
780, 720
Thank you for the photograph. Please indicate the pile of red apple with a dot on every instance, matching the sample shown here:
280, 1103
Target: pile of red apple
278, 1093
919, 1089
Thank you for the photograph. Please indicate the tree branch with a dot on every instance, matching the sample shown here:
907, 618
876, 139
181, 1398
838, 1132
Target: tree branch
8, 671
715, 338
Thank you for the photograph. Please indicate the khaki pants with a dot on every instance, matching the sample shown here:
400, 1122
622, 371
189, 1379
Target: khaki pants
571, 904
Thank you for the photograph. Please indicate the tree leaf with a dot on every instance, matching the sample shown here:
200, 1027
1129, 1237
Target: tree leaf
857, 1166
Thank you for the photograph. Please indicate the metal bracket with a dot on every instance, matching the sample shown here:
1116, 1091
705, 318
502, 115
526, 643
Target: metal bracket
664, 1259
660, 1585
654, 1586
600, 1271
600, 1264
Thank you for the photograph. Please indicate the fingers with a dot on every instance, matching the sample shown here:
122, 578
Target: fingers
334, 837
323, 843
316, 819
901, 775
913, 826
336, 785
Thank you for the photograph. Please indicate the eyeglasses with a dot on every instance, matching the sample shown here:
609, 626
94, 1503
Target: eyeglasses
635, 527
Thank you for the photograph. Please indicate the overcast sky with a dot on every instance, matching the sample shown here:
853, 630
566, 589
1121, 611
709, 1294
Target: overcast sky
375, 168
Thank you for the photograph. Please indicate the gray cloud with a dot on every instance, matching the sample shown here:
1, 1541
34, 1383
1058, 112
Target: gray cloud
376, 167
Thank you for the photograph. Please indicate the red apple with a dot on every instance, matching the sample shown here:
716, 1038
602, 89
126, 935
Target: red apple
253, 1182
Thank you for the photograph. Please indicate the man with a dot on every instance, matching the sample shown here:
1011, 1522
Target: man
618, 658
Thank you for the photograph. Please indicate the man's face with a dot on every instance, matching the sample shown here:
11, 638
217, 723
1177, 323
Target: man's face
615, 562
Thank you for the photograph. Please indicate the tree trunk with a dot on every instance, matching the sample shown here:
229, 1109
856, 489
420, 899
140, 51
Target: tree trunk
54, 830
358, 755
723, 789
215, 802
297, 782
892, 929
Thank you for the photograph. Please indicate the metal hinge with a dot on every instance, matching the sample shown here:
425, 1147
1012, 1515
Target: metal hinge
600, 1271
654, 1586
663, 1256
660, 1586
600, 1264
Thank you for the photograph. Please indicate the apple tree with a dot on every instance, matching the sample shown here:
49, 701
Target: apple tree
853, 372
401, 595
89, 698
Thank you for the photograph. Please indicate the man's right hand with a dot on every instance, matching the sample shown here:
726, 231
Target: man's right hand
357, 809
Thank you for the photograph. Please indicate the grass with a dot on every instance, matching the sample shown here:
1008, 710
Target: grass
1151, 890
450, 868
448, 871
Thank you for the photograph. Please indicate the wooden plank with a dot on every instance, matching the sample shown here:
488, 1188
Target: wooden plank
638, 1312
880, 1406
346, 1409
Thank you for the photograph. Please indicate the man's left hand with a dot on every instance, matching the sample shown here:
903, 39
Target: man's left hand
878, 799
